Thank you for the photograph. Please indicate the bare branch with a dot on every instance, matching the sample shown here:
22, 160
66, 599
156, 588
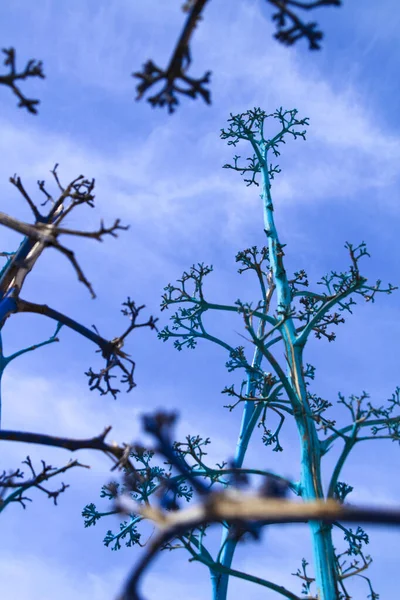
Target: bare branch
46, 230
118, 453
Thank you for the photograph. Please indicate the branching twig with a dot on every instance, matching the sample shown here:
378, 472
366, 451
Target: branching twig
12, 481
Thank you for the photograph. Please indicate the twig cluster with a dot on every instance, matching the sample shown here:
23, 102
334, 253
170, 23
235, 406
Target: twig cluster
15, 483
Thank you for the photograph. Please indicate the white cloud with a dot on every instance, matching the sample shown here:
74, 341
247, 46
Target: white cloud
32, 577
347, 152
36, 577
349, 147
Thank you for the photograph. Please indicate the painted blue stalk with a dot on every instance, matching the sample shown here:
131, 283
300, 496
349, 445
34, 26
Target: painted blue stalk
252, 578
8, 305
3, 364
21, 253
311, 486
251, 414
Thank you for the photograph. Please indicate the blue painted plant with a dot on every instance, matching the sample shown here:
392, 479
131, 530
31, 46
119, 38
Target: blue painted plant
45, 233
276, 383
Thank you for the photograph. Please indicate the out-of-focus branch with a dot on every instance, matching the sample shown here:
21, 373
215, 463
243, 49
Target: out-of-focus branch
240, 508
32, 69
290, 29
177, 68
290, 26
120, 454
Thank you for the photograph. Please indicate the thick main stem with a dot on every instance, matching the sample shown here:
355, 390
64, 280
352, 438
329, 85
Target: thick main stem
311, 484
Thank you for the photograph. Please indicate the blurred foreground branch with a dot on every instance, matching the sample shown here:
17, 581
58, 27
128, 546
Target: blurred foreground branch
32, 69
175, 79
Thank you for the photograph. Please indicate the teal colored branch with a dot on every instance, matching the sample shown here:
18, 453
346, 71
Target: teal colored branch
309, 294
5, 360
349, 445
124, 530
217, 341
256, 313
281, 407
341, 432
310, 449
107, 513
52, 339
273, 342
294, 486
219, 568
191, 539
250, 416
276, 327
203, 557
248, 429
379, 437
312, 310
204, 335
205, 306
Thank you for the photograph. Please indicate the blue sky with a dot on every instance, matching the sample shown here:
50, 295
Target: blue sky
162, 175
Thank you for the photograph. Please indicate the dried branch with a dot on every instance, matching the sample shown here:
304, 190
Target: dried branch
111, 351
47, 236
44, 233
